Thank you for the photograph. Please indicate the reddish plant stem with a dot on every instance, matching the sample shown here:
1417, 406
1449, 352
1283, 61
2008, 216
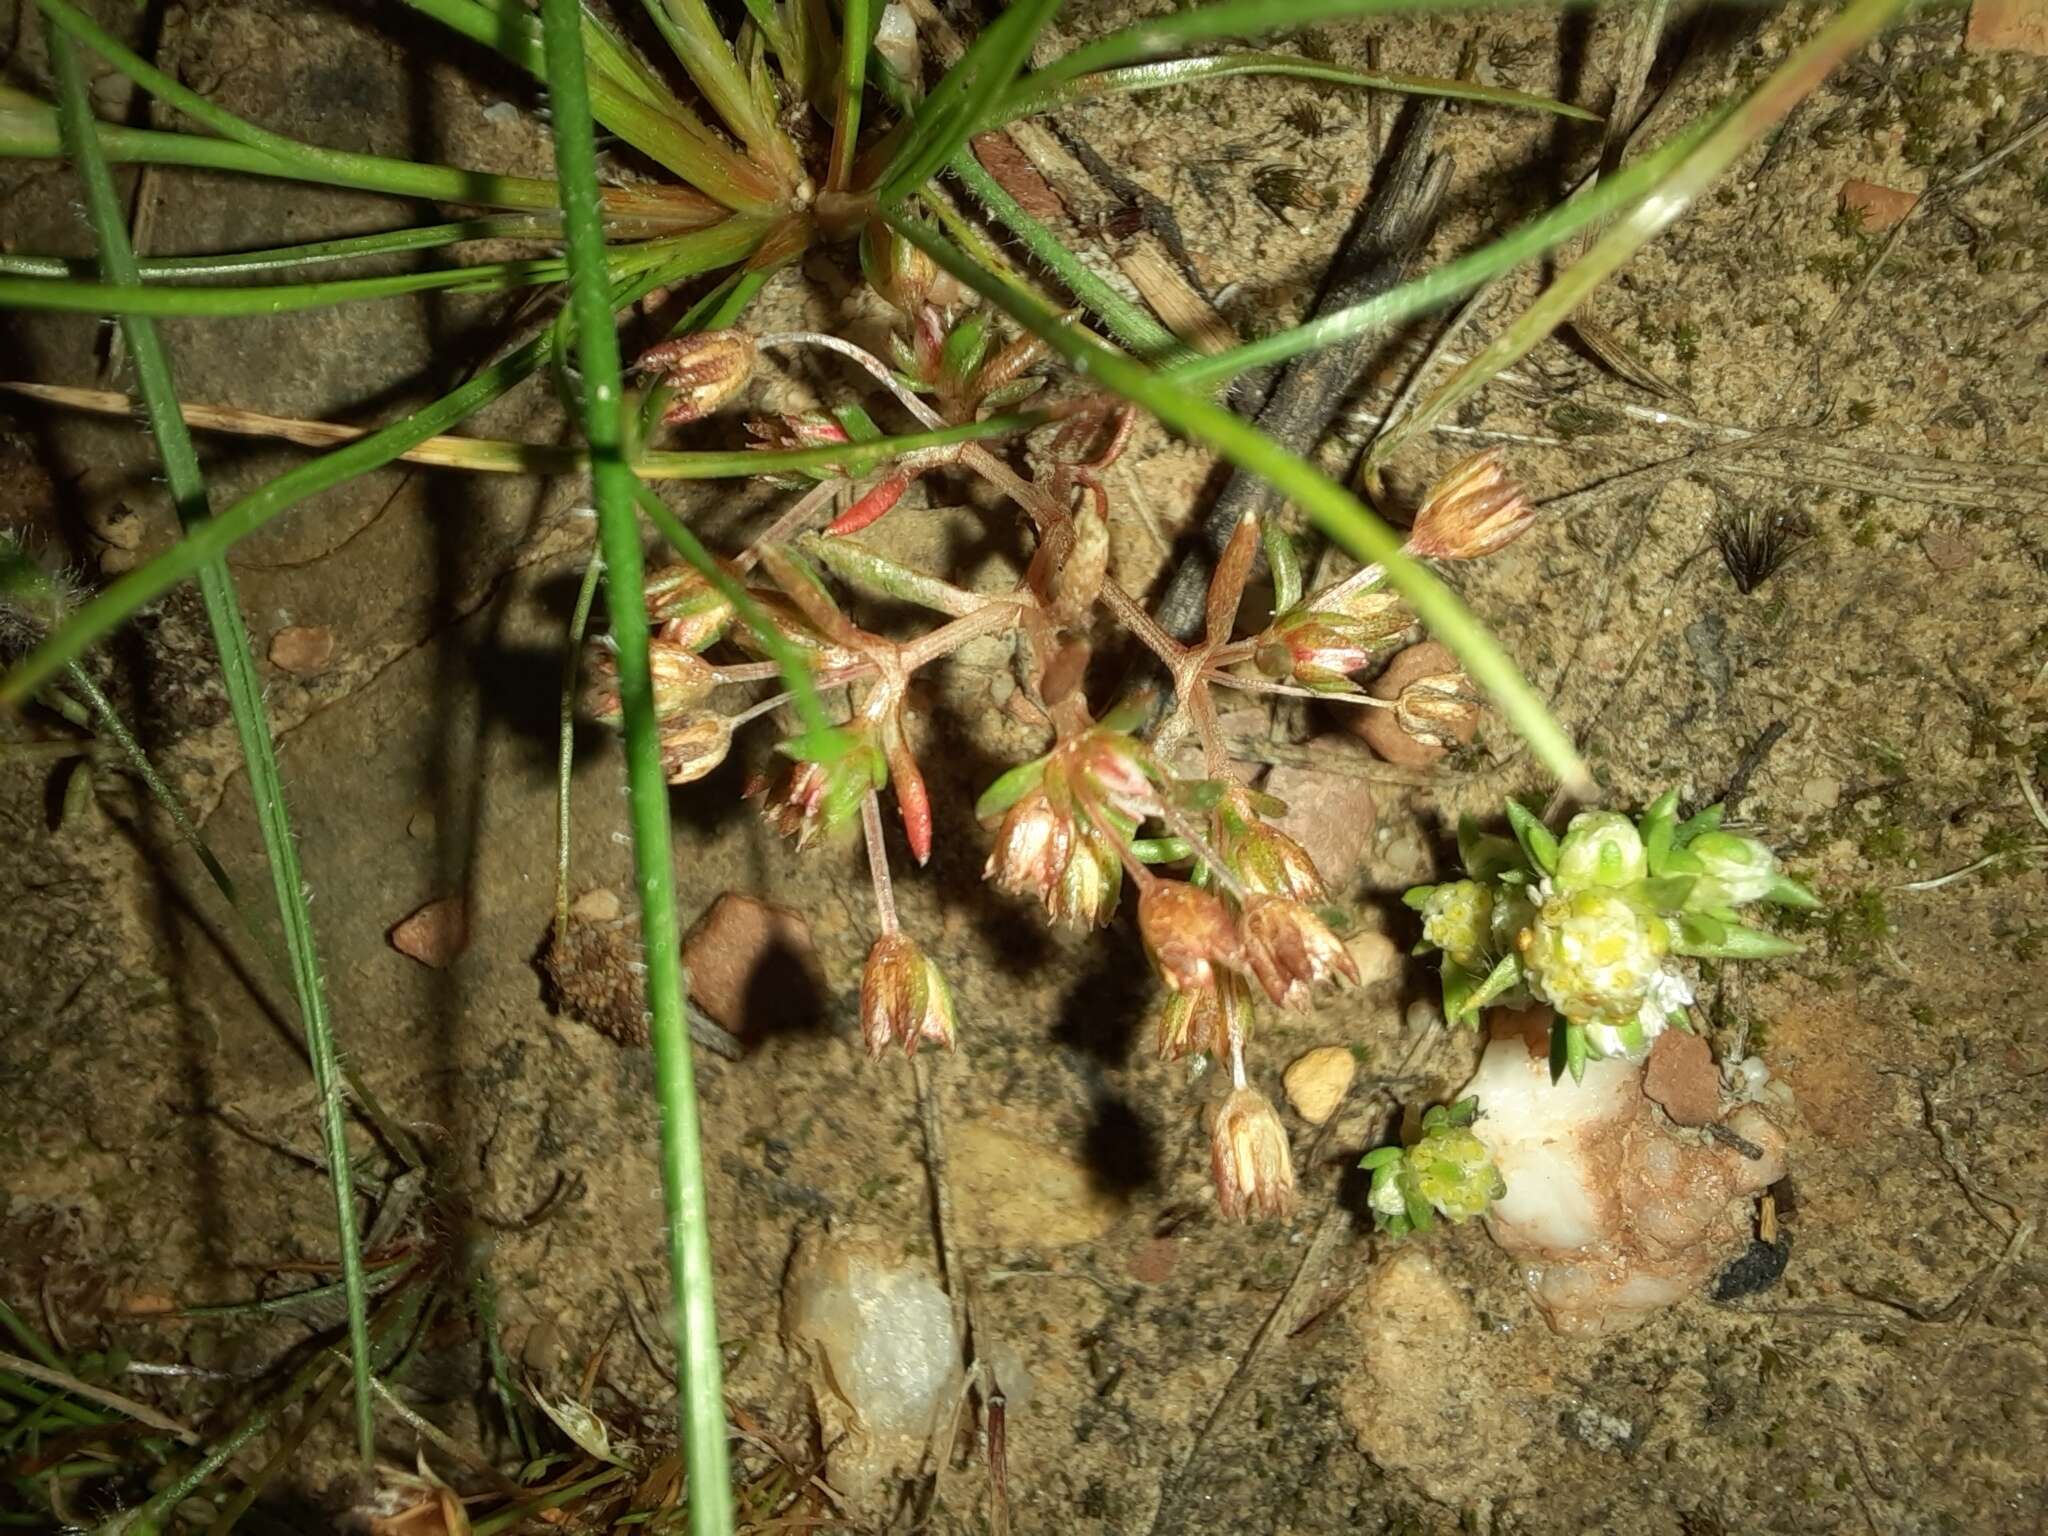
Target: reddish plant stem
878, 860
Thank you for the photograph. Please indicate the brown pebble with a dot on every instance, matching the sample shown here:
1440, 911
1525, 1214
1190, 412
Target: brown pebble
435, 934
1947, 551
1882, 207
1153, 1263
2018, 25
1382, 732
596, 905
754, 969
302, 649
1329, 813
1317, 1080
1377, 957
1680, 1075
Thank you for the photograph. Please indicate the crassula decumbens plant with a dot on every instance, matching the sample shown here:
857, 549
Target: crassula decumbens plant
1143, 797
1595, 926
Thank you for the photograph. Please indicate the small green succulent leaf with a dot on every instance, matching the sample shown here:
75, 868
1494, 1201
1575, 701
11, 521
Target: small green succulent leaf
965, 346
1668, 893
1009, 788
1486, 855
1537, 841
1787, 892
1576, 1049
1734, 941
1681, 861
1161, 850
1416, 897
1459, 985
1380, 1157
1421, 1216
859, 425
1505, 976
1708, 820
1016, 392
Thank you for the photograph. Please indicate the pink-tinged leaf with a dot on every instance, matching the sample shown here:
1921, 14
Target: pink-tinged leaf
871, 507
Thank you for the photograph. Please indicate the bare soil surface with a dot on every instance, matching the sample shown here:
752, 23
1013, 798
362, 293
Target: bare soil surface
1877, 703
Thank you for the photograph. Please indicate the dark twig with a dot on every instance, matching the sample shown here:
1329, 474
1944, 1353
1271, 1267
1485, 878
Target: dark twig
1310, 391
1752, 759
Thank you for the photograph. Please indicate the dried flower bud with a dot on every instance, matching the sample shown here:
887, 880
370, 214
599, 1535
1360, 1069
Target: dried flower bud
1263, 857
1321, 648
1249, 1158
904, 999
1290, 950
1032, 848
1187, 932
680, 680
795, 429
1206, 1020
1473, 511
690, 611
705, 370
783, 617
1388, 732
1110, 770
693, 746
1440, 710
896, 269
1091, 881
822, 797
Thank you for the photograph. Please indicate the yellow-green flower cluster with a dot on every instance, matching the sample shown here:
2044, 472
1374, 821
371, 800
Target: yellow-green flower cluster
1589, 922
1447, 1172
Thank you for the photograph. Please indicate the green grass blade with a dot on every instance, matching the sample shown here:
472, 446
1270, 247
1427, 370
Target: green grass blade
699, 1367
1182, 30
68, 296
1130, 323
285, 258
706, 251
941, 123
1335, 510
245, 701
402, 178
1453, 278
29, 132
855, 28
666, 131
1044, 96
707, 58
1673, 192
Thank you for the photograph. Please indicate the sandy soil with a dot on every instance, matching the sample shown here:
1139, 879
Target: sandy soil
158, 1123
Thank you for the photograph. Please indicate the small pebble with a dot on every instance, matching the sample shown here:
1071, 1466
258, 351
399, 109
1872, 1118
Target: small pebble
435, 934
1821, 794
597, 905
754, 968
1882, 207
302, 649
1680, 1076
2018, 26
1317, 1081
1377, 957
